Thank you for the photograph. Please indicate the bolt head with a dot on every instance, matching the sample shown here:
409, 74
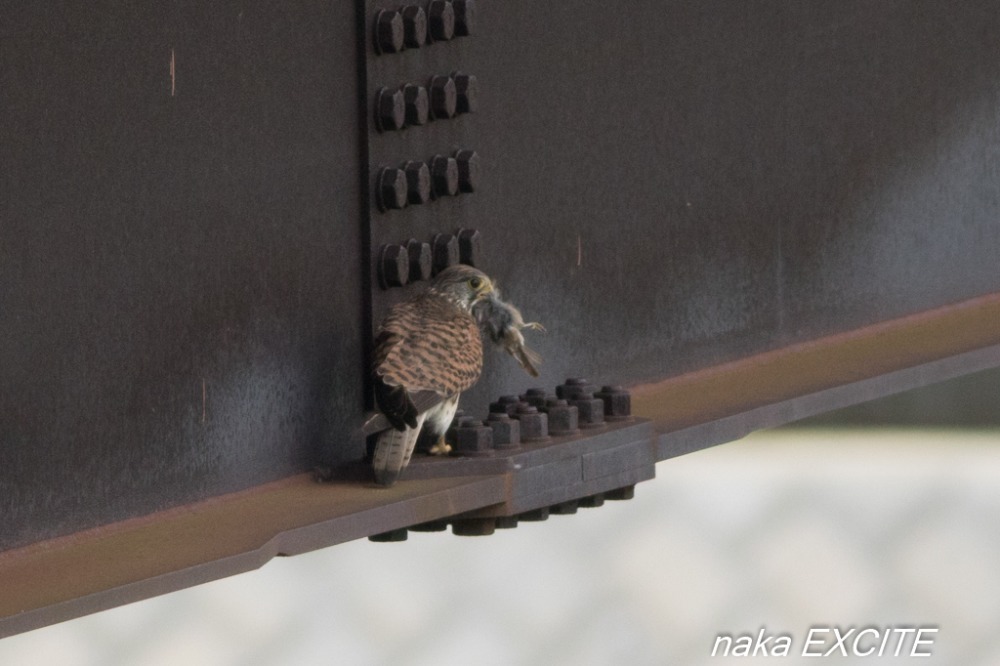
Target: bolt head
389, 537
444, 175
469, 246
414, 26
442, 20
391, 189
418, 182
393, 266
466, 92
420, 259
473, 527
468, 170
465, 17
417, 104
445, 249
444, 97
389, 31
390, 110
623, 493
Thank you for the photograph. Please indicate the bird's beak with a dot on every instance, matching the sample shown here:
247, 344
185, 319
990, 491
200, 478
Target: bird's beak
485, 291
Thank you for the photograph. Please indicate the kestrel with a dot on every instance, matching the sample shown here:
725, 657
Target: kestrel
427, 351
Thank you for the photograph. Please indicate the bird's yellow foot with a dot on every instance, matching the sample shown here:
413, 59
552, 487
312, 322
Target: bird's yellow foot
440, 448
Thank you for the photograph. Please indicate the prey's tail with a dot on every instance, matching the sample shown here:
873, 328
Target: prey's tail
527, 359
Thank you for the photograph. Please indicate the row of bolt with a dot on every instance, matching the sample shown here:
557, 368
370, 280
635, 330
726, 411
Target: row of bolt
416, 182
411, 27
486, 526
413, 104
535, 417
414, 260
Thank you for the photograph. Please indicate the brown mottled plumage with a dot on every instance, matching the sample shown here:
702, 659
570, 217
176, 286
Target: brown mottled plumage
429, 344
427, 351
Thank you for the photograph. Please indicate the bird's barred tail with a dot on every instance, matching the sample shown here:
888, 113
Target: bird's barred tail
392, 453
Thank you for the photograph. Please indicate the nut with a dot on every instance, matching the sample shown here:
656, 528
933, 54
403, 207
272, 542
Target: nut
563, 418
420, 259
534, 397
442, 20
506, 431
474, 439
414, 26
617, 402
417, 104
418, 182
534, 424
393, 266
389, 31
390, 110
466, 92
468, 170
506, 404
390, 189
590, 410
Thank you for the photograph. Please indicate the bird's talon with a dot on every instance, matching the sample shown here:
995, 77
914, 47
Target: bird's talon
441, 448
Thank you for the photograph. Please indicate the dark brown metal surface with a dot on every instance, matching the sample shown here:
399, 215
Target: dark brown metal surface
179, 201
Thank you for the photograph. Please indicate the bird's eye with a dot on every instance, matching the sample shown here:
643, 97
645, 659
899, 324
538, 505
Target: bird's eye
475, 282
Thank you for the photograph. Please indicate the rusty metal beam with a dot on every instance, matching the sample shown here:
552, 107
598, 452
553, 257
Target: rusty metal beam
101, 568
725, 402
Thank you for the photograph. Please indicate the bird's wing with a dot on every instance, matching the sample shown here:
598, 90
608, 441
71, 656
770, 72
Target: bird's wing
421, 401
426, 345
